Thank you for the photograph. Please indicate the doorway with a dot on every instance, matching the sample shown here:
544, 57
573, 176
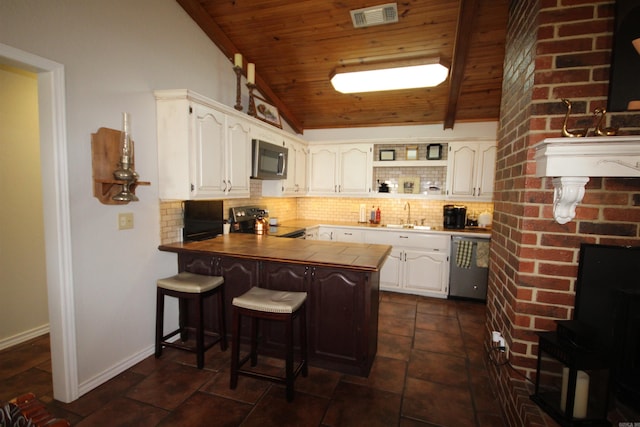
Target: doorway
57, 230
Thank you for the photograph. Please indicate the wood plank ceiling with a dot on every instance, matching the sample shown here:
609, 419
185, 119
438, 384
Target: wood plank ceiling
296, 45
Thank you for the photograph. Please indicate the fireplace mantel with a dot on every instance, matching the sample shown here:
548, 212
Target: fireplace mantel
571, 161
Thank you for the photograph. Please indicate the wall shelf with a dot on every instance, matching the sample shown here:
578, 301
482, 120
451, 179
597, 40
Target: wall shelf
409, 163
105, 158
572, 161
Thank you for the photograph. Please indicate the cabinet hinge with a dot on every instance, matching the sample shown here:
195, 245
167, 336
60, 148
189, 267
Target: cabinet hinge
190, 109
192, 187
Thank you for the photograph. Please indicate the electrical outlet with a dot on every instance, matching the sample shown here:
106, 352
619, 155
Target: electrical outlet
125, 221
499, 343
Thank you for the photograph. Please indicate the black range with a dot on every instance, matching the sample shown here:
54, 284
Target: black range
244, 219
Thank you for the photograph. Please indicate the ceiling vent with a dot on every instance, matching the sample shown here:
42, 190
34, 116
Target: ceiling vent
375, 15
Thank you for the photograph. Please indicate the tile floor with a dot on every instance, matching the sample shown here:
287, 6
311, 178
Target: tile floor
429, 371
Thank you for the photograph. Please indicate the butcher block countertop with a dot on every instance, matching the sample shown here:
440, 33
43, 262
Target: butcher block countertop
353, 256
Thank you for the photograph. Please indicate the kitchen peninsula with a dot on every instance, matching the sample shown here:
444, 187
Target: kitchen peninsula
341, 280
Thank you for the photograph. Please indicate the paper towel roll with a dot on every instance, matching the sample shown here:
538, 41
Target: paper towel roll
363, 213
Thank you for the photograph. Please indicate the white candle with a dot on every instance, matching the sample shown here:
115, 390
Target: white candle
581, 397
237, 60
251, 73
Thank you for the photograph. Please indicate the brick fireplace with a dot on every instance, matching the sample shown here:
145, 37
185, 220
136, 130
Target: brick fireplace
555, 49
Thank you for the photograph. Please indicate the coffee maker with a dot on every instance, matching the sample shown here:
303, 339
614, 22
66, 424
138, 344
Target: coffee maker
454, 216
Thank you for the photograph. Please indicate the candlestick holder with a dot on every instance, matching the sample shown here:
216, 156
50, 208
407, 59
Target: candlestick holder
252, 103
238, 71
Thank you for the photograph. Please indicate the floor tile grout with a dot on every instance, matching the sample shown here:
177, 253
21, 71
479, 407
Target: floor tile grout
400, 391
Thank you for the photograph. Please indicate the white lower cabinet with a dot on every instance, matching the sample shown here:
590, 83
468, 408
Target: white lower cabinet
341, 234
418, 263
311, 233
426, 272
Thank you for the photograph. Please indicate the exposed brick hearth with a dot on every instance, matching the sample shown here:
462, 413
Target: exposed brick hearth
555, 49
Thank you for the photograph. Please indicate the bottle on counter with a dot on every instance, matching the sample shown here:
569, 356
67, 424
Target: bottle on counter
372, 217
378, 215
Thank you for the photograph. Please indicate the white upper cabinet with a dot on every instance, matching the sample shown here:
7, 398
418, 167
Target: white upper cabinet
239, 157
344, 169
203, 151
208, 154
470, 170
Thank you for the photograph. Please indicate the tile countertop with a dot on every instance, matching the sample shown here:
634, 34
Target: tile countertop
353, 256
478, 232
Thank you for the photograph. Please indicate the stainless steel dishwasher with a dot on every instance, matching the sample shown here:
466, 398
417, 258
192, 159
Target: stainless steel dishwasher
469, 270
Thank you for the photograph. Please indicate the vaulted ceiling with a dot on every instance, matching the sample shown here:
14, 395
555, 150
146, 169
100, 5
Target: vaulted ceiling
296, 45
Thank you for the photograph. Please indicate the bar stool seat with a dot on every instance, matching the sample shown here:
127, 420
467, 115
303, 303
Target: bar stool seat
190, 286
285, 306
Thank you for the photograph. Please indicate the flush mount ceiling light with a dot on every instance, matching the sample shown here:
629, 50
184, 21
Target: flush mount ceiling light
408, 74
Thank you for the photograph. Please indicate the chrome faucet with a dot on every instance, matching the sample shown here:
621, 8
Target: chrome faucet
407, 206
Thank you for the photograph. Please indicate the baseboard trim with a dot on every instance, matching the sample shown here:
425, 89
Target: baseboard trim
24, 336
123, 365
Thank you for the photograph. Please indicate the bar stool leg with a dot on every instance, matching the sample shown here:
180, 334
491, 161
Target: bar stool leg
159, 321
182, 319
200, 332
221, 321
235, 349
289, 357
254, 341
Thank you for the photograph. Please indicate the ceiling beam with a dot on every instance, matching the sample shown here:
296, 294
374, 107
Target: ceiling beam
466, 21
220, 39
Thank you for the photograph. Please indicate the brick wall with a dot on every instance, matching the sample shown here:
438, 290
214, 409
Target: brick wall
555, 49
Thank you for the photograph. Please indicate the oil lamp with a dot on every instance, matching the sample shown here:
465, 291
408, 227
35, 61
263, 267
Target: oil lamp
125, 172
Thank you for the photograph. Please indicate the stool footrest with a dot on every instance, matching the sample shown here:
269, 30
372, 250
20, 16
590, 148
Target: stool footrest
190, 348
272, 378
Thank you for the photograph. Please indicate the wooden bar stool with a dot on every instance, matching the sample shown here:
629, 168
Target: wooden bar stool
189, 286
259, 303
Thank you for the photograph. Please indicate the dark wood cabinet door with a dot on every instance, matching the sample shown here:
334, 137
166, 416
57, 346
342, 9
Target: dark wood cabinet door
198, 264
338, 325
240, 275
282, 277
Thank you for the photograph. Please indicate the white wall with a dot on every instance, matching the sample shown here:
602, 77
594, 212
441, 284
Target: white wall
23, 285
115, 54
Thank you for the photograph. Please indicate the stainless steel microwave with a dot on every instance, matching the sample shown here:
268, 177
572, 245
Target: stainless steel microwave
269, 161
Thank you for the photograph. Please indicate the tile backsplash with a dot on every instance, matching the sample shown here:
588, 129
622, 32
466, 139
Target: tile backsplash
394, 210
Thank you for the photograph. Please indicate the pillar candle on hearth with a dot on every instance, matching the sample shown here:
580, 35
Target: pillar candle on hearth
581, 397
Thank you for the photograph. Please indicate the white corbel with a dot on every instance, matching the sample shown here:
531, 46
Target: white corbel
568, 191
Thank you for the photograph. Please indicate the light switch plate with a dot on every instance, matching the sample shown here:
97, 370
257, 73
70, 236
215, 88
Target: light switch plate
125, 221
